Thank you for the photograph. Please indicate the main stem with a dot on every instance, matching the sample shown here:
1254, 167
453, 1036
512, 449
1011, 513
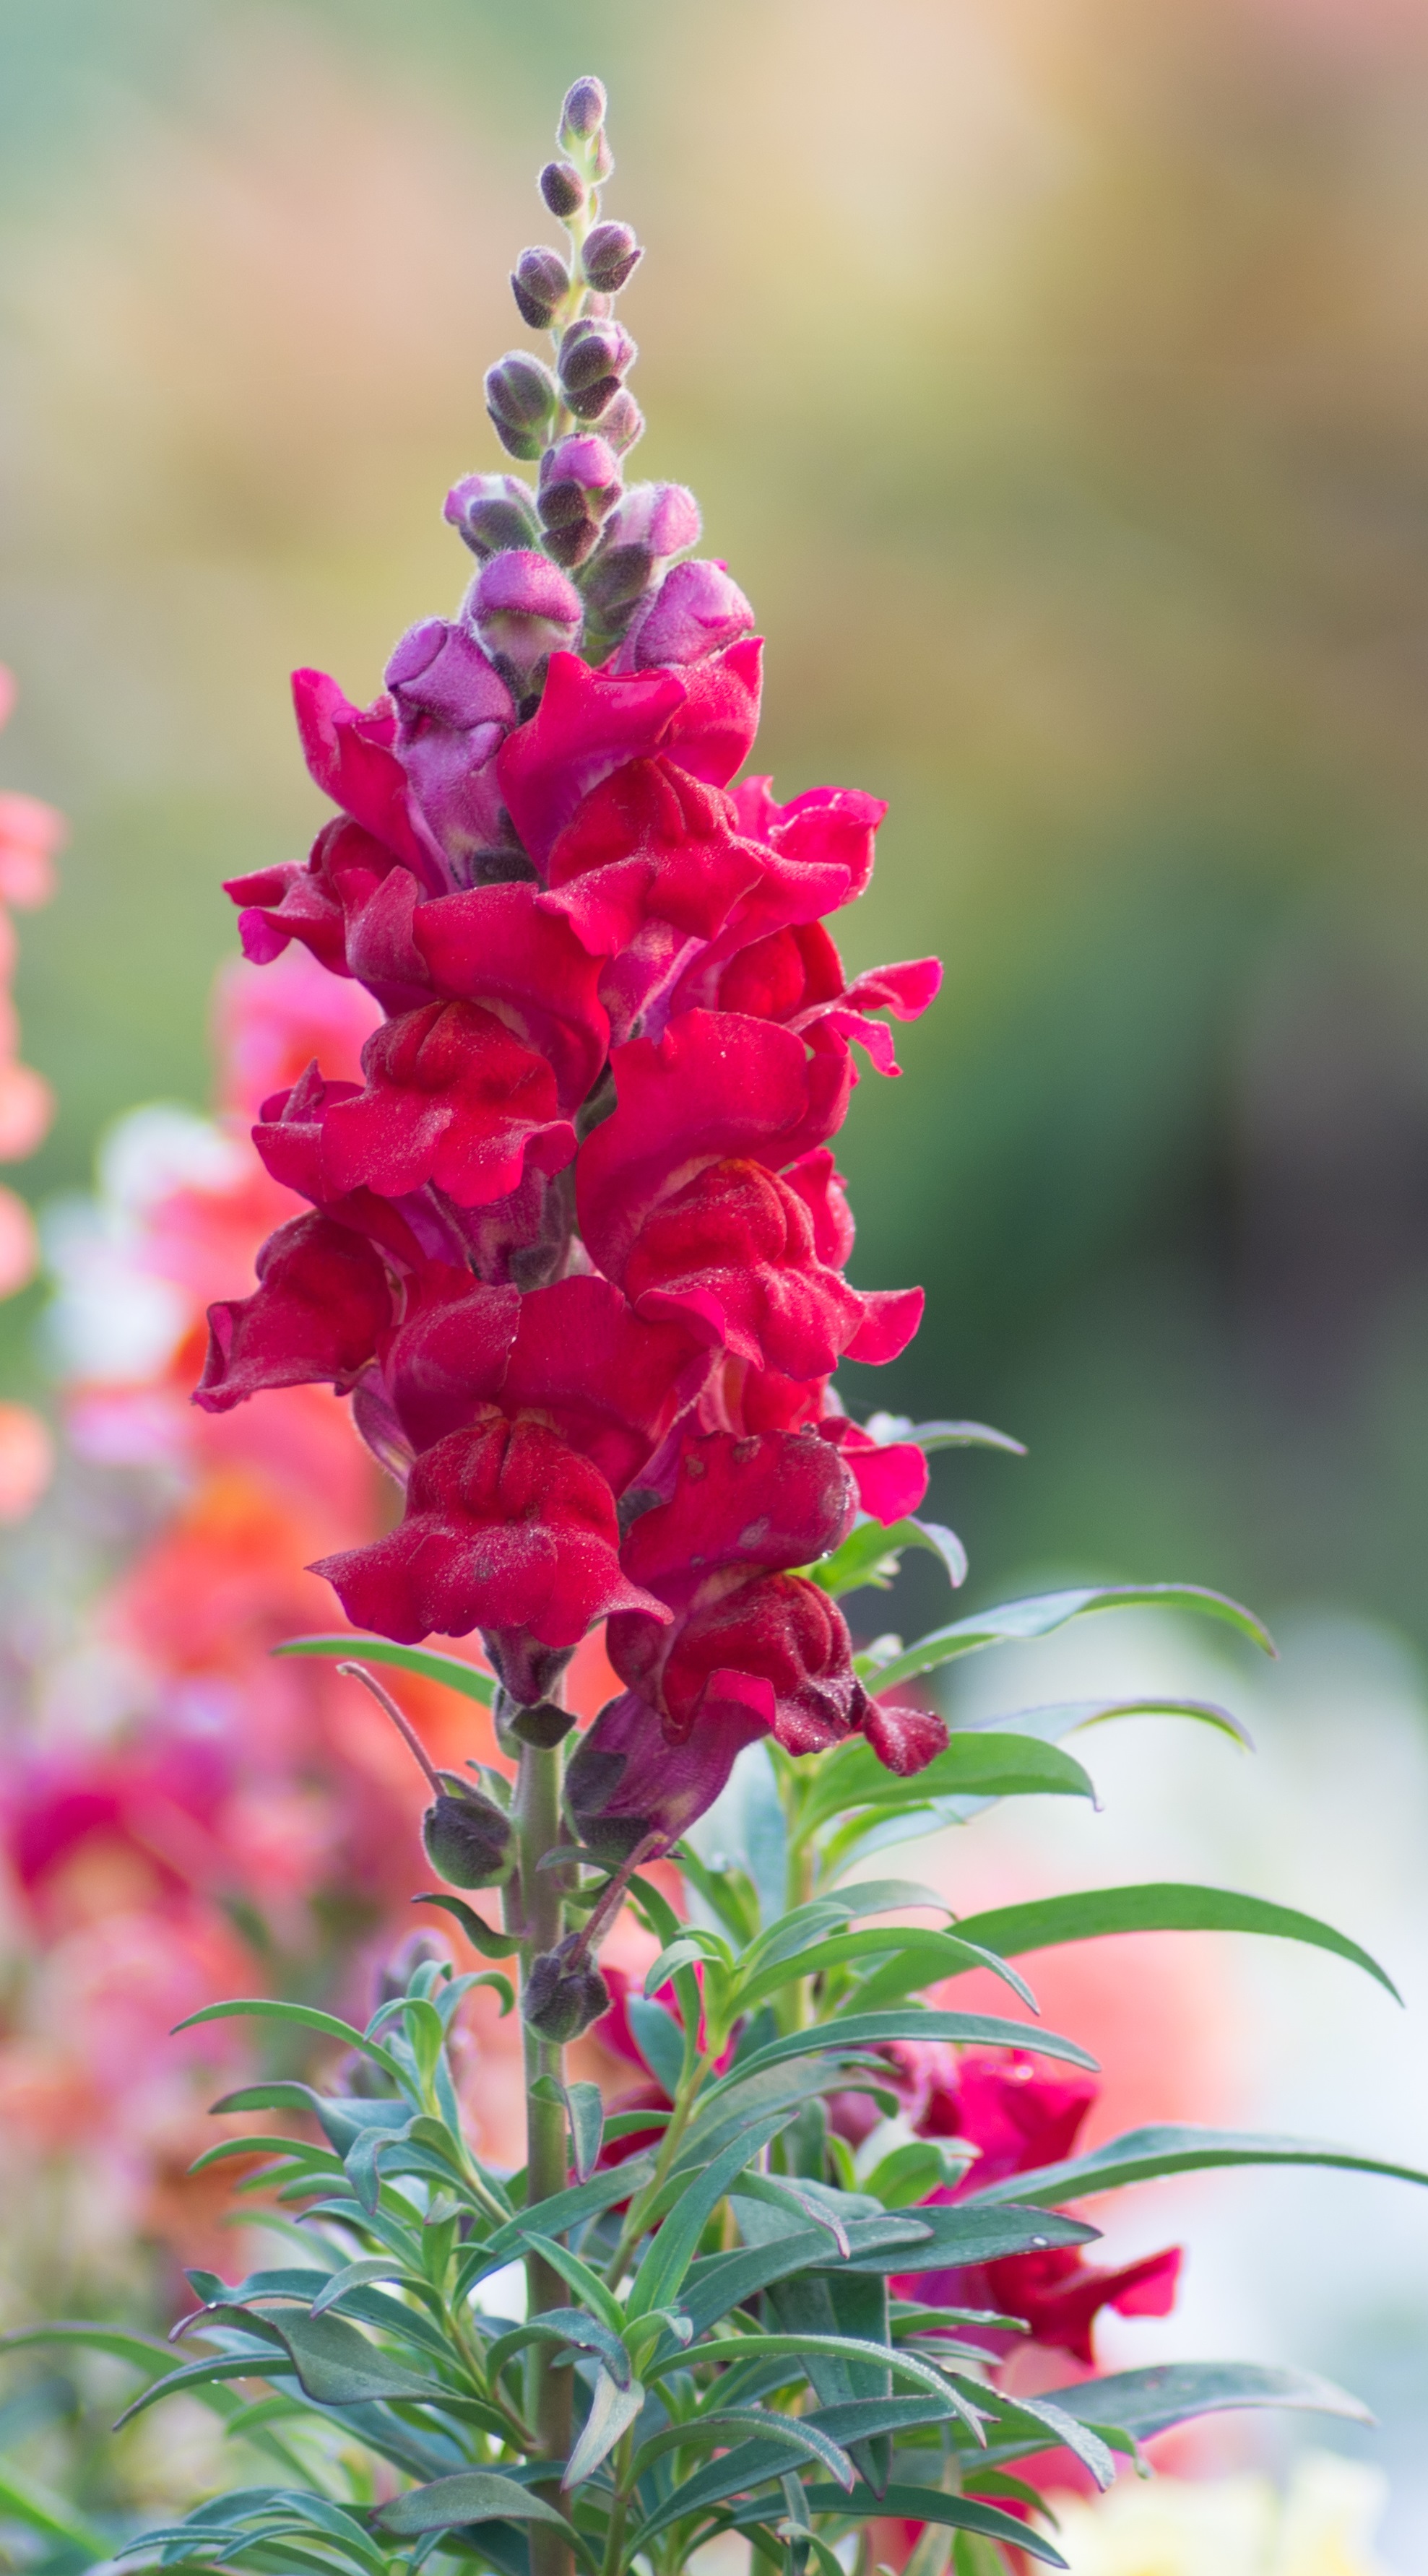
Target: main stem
537, 1817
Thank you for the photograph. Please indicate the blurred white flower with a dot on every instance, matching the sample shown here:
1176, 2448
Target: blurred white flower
1323, 2526
113, 1319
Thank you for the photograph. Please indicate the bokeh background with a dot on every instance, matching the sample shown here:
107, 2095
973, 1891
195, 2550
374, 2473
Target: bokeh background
1054, 377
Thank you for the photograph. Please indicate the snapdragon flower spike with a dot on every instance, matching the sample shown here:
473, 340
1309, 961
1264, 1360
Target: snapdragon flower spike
577, 1245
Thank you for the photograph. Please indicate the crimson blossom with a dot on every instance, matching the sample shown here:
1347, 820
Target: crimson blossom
577, 1246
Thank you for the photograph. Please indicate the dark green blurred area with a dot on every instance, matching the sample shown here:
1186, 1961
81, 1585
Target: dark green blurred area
1055, 380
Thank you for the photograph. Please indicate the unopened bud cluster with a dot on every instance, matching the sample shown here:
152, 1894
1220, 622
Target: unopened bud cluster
575, 417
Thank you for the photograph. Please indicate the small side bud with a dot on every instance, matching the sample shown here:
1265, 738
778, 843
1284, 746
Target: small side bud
594, 356
468, 1841
583, 113
579, 484
609, 257
524, 609
540, 283
563, 189
622, 422
493, 512
564, 1992
521, 397
602, 160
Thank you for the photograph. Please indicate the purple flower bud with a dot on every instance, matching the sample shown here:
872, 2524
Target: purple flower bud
622, 423
440, 670
564, 1992
696, 610
493, 512
584, 111
540, 282
524, 610
563, 188
468, 1841
579, 482
594, 355
609, 257
664, 517
521, 397
652, 522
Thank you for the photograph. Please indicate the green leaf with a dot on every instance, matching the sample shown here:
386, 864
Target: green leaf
491, 1944
1055, 1718
871, 1553
911, 2172
673, 2250
337, 2366
433, 1667
954, 2237
567, 2326
356, 2276
928, 2504
613, 2409
1162, 1906
973, 1765
24, 2500
1012, 1621
1141, 2154
706, 2431
299, 2016
659, 2040
473, 2495
873, 2030
145, 2350
885, 1427
912, 1957
1144, 2402
579, 2277
554, 2216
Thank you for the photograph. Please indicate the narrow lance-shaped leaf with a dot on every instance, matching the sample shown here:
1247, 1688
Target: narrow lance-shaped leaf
432, 1667
856, 2031
973, 1765
1146, 2402
1160, 1906
1013, 1621
928, 2504
613, 2408
1142, 2154
674, 2248
297, 2016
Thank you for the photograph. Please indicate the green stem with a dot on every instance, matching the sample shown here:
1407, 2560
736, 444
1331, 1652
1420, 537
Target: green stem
537, 1819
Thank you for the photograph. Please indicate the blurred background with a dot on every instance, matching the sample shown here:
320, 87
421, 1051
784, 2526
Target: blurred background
1054, 378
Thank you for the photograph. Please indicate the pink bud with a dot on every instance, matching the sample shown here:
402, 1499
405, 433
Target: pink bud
696, 610
524, 609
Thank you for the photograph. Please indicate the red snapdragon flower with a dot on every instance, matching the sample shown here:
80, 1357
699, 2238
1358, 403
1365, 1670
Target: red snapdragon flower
1020, 2118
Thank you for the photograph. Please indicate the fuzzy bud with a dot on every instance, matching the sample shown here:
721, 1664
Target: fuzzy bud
579, 484
468, 1841
583, 113
563, 189
524, 609
540, 283
521, 397
564, 1992
696, 610
622, 424
602, 160
662, 517
609, 257
594, 355
493, 512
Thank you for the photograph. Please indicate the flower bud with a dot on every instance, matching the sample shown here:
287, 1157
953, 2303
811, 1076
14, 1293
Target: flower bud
524, 609
563, 188
696, 610
609, 257
468, 1841
662, 517
594, 355
579, 483
583, 113
602, 160
540, 282
521, 397
493, 512
564, 1992
623, 423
